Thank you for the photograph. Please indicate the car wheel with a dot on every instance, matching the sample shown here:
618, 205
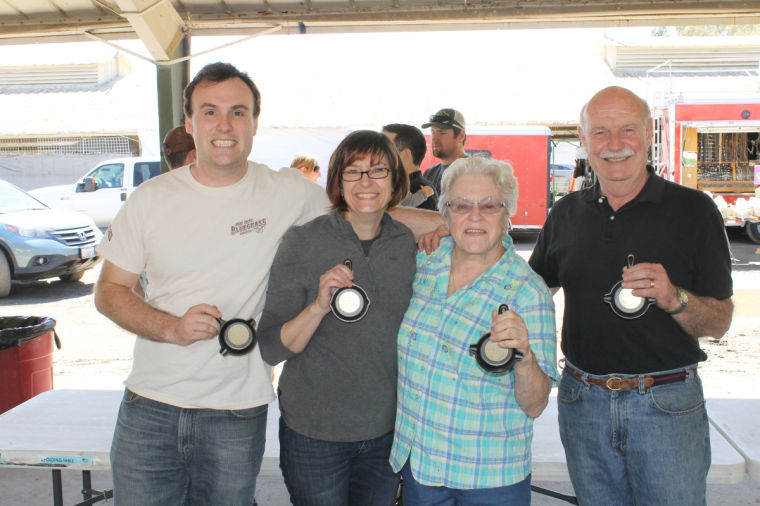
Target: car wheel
5, 276
753, 231
72, 278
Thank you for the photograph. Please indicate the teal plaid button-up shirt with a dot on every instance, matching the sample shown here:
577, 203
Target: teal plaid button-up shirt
459, 426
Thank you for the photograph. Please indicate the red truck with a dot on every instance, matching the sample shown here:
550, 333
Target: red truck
528, 150
713, 146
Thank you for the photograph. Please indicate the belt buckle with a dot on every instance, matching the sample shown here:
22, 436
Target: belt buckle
610, 387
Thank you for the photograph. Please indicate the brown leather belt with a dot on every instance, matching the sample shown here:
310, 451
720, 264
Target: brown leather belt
615, 383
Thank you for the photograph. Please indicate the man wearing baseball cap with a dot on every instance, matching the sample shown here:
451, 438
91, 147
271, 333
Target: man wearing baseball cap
178, 148
447, 138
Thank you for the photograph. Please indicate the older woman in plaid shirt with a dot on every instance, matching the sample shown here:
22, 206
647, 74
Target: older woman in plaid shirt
463, 434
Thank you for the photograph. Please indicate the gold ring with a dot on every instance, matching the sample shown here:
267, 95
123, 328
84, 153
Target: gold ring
651, 283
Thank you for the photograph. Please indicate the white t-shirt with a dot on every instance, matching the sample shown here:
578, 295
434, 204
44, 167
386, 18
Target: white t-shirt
211, 245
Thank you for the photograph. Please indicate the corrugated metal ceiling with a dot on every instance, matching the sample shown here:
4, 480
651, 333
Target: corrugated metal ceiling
117, 18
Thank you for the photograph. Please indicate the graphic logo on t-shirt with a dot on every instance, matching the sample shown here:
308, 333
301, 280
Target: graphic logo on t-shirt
249, 225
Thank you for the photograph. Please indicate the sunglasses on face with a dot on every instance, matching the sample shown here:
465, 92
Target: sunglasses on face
463, 205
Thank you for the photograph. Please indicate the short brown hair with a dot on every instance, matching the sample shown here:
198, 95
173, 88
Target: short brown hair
177, 144
216, 73
357, 145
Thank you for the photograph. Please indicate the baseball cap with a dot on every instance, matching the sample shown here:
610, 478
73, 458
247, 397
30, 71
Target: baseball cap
446, 118
177, 139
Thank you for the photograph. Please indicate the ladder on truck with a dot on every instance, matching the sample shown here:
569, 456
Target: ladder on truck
660, 165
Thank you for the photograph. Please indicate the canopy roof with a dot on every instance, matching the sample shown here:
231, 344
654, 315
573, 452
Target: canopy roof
162, 23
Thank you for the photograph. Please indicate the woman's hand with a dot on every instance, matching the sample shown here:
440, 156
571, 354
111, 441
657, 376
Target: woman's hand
430, 241
508, 330
339, 276
295, 334
532, 385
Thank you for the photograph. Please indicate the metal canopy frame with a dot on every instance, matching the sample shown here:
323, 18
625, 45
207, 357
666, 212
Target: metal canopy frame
166, 26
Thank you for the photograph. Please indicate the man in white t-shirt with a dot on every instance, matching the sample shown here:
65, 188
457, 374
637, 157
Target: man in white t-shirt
192, 423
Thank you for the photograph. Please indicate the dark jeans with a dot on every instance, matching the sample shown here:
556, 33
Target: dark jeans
328, 473
416, 494
165, 455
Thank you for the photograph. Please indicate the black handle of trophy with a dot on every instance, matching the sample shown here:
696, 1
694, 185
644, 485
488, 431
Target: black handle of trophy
347, 262
503, 308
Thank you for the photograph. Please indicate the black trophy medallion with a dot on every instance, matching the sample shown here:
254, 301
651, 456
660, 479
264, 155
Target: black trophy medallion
624, 303
237, 336
490, 356
350, 303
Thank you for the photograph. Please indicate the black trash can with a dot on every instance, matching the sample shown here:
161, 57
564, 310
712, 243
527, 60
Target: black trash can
26, 358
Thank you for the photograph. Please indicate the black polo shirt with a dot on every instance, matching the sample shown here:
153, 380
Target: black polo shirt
585, 244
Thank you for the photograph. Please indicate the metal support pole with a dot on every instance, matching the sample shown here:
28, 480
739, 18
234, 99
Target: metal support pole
171, 82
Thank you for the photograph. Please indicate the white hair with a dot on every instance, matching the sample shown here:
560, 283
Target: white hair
501, 173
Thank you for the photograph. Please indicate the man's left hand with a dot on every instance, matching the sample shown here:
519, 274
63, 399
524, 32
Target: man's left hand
651, 280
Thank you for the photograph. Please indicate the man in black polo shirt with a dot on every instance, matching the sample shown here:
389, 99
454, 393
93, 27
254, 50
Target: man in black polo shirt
645, 268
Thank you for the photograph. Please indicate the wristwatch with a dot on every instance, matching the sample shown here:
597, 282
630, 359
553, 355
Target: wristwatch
683, 297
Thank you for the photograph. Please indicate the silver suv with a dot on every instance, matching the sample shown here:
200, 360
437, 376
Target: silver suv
37, 242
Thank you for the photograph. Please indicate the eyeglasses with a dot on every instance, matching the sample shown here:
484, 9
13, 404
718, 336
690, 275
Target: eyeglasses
356, 175
464, 206
316, 168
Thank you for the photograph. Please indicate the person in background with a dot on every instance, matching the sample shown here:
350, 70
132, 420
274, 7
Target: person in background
178, 148
447, 138
582, 174
191, 426
411, 146
307, 164
337, 390
645, 268
463, 435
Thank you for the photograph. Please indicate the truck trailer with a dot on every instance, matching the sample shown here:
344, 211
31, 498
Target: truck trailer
713, 146
528, 150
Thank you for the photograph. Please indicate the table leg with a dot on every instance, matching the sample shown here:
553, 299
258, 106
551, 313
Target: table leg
86, 485
57, 488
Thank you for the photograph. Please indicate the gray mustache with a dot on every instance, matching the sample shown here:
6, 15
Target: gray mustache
617, 154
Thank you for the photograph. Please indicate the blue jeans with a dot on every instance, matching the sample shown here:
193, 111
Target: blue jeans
635, 446
165, 455
328, 473
416, 494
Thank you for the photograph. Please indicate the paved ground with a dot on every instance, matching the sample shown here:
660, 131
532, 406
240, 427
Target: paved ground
96, 352
24, 487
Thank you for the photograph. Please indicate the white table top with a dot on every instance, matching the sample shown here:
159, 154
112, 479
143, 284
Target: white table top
60, 429
73, 429
738, 420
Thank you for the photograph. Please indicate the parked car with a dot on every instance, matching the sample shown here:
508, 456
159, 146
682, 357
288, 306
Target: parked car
100, 193
37, 242
560, 178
